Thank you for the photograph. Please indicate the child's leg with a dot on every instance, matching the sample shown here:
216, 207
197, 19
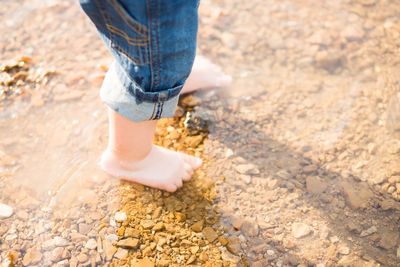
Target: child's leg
131, 154
153, 43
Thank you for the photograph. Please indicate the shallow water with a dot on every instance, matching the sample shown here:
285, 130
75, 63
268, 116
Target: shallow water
301, 161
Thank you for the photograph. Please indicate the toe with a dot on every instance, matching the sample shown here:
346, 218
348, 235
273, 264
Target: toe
179, 183
170, 187
194, 162
187, 175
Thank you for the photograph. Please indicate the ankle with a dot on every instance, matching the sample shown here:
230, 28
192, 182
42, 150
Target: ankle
122, 155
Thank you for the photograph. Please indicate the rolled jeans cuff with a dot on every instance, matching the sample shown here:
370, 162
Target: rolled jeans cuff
116, 95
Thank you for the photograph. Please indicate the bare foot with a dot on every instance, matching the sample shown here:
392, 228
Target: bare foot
161, 168
205, 75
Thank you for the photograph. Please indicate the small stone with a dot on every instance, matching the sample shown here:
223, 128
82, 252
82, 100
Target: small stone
132, 232
210, 234
147, 224
194, 249
91, 244
109, 249
57, 241
82, 258
398, 252
111, 237
310, 169
343, 250
157, 213
193, 141
121, 253
180, 217
315, 185
246, 178
300, 230
56, 254
191, 259
32, 256
164, 263
369, 231
223, 240
158, 226
247, 169
77, 237
250, 229
120, 216
234, 245
129, 243
198, 226
22, 215
5, 211
83, 228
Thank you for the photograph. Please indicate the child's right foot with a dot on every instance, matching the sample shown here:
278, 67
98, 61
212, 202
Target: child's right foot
161, 168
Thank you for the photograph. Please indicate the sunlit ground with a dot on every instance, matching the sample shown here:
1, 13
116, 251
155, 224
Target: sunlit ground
301, 156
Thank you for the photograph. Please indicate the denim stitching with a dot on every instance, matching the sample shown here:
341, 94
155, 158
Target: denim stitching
158, 47
152, 114
140, 29
130, 40
150, 51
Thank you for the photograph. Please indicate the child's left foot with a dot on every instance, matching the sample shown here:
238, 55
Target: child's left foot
205, 75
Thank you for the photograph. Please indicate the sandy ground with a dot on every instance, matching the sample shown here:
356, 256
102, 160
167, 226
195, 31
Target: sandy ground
301, 153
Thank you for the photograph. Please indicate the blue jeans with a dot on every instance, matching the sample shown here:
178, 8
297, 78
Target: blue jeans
153, 43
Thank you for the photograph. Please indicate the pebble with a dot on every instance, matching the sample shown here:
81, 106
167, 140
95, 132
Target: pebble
56, 254
120, 216
5, 211
84, 228
147, 224
32, 256
91, 244
247, 169
82, 258
315, 185
343, 250
369, 231
198, 226
143, 263
109, 249
121, 253
210, 234
300, 230
132, 232
129, 243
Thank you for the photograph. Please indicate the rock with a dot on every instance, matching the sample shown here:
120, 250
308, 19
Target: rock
121, 253
77, 237
193, 141
388, 240
111, 237
5, 211
22, 215
315, 185
147, 224
129, 243
210, 234
120, 216
237, 222
57, 241
158, 226
234, 245
300, 230
378, 178
32, 257
83, 228
109, 249
157, 213
198, 226
344, 250
357, 196
369, 231
223, 240
250, 229
82, 258
195, 124
132, 232
247, 169
56, 254
190, 101
91, 244
246, 178
180, 217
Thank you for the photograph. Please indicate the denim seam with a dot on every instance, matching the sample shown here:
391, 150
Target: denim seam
130, 40
140, 29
